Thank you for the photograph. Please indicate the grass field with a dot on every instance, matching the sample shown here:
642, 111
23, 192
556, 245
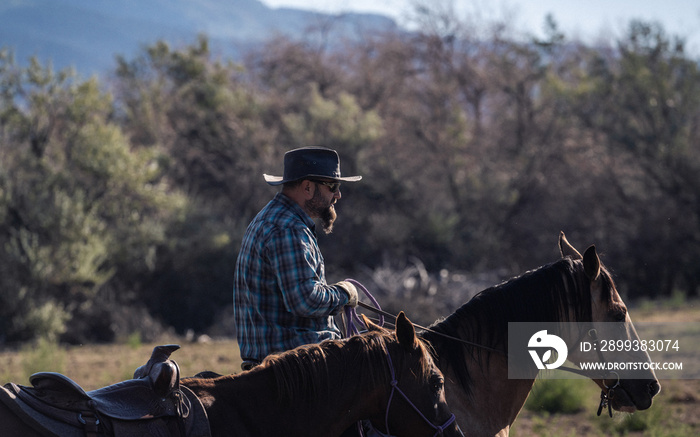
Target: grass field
676, 410
94, 366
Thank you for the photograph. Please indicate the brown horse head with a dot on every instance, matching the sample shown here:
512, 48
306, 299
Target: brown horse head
611, 321
415, 373
577, 295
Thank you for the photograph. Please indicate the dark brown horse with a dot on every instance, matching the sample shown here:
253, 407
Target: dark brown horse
316, 390
13, 426
574, 289
322, 390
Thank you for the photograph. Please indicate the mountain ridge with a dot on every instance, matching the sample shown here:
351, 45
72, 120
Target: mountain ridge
88, 35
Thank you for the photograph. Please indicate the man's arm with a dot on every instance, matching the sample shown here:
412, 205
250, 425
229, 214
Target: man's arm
298, 263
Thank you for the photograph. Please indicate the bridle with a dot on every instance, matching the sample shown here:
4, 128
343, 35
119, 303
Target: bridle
606, 394
439, 429
351, 329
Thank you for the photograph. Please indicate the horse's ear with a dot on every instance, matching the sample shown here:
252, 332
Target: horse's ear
371, 326
567, 249
591, 263
405, 333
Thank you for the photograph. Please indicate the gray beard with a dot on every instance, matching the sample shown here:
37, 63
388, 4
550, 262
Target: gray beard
317, 207
328, 216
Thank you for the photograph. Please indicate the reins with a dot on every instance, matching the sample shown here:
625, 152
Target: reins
352, 318
441, 334
351, 329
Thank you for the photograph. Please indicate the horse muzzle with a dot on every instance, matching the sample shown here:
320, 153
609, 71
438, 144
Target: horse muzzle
625, 399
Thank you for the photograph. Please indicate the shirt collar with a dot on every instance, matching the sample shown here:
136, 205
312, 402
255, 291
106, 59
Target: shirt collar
296, 209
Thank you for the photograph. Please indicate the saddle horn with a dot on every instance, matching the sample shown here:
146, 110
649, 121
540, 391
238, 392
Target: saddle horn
163, 373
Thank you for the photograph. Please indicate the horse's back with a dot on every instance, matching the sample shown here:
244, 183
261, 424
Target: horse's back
15, 422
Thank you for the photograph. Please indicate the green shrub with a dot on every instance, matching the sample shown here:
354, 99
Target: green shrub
565, 396
648, 422
43, 355
134, 340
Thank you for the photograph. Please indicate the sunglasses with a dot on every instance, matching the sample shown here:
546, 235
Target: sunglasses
333, 186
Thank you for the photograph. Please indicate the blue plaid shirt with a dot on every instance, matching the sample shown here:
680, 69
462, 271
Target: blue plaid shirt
280, 296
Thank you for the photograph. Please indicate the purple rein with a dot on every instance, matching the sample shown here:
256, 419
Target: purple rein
351, 319
439, 430
351, 315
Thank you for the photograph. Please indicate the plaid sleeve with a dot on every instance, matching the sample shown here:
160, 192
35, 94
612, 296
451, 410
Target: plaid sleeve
298, 263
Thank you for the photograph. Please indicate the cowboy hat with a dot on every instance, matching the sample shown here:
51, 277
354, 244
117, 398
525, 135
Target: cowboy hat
310, 162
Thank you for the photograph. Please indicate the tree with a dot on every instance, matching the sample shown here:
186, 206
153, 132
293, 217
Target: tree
79, 207
645, 102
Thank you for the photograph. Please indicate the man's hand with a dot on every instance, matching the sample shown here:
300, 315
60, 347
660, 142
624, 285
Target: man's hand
350, 290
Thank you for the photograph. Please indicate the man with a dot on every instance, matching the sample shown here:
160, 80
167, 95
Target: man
280, 298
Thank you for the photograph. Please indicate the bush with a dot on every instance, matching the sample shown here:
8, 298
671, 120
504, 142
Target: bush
566, 396
649, 422
44, 353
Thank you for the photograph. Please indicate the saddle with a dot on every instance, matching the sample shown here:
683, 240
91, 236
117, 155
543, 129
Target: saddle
153, 403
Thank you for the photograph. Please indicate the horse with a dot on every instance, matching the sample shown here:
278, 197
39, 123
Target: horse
324, 389
314, 390
471, 344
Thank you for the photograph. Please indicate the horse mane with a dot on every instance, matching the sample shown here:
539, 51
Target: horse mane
304, 372
546, 294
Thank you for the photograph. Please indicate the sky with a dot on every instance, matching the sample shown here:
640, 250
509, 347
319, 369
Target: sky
587, 20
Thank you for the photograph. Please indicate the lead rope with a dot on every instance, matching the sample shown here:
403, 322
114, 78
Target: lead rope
351, 314
351, 318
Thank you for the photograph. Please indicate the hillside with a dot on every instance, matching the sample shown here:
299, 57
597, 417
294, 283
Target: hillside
88, 34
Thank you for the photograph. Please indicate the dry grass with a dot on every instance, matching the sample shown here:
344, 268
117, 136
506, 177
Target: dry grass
94, 366
676, 410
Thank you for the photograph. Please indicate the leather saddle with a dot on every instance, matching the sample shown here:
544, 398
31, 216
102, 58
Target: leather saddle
152, 403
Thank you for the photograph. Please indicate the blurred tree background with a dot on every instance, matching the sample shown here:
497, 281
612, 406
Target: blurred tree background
123, 202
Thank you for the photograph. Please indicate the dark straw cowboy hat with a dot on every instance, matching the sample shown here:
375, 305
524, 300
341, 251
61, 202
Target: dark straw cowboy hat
310, 162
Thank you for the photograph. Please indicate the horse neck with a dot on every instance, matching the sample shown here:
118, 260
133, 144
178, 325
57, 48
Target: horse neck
252, 399
483, 398
349, 389
493, 401
551, 293
480, 394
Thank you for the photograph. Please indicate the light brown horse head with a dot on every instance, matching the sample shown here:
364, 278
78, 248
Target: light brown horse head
631, 390
477, 351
